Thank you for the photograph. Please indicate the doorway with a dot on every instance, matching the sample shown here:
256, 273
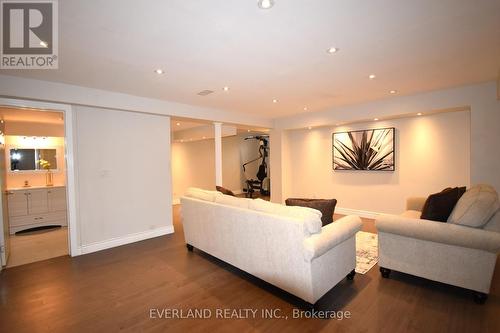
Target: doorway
37, 181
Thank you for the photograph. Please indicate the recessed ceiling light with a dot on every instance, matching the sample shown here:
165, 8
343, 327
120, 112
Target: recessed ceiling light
393, 92
265, 4
204, 137
226, 88
178, 124
376, 119
159, 71
305, 108
248, 131
332, 50
419, 114
309, 128
44, 44
372, 76
275, 101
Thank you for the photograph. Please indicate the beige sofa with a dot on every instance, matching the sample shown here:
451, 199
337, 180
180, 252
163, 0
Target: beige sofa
455, 254
284, 246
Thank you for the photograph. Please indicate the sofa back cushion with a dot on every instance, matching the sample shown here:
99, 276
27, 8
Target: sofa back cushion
476, 207
200, 194
325, 206
232, 201
311, 217
439, 206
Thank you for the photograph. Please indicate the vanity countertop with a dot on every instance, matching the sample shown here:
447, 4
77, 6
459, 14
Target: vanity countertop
33, 187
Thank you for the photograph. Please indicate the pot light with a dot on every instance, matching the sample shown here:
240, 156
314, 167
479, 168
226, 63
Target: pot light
332, 50
248, 131
159, 71
419, 114
178, 124
393, 92
275, 101
204, 137
265, 4
226, 88
309, 128
372, 76
44, 44
305, 108
375, 119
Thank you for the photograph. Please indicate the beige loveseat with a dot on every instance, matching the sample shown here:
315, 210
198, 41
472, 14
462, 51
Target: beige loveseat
284, 246
459, 255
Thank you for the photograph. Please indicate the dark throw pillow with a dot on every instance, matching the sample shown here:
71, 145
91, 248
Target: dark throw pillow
439, 206
225, 191
325, 206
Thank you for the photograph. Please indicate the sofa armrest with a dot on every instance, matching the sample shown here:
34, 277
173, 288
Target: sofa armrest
439, 232
331, 235
415, 203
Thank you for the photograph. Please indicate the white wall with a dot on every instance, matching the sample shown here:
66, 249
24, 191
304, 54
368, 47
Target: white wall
123, 176
193, 163
432, 152
480, 99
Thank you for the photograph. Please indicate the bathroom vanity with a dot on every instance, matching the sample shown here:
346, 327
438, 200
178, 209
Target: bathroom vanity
31, 207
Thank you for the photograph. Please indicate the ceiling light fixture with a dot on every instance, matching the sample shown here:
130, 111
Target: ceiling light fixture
376, 119
419, 114
265, 4
178, 124
248, 131
204, 137
226, 88
275, 101
372, 76
309, 128
159, 71
393, 92
305, 108
332, 50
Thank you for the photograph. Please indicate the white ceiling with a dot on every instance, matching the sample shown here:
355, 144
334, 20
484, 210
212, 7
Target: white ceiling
279, 53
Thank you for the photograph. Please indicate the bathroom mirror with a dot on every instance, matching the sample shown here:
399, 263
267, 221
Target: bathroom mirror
26, 159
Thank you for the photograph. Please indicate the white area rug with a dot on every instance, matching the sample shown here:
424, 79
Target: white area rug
366, 251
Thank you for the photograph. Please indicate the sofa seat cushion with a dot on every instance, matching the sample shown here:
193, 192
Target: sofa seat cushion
476, 207
325, 206
311, 217
439, 206
412, 214
229, 200
200, 194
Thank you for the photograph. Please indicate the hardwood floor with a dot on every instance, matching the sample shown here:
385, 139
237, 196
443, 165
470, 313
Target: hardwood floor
37, 245
115, 289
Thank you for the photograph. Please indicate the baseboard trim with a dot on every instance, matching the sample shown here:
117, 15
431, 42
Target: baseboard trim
127, 239
361, 213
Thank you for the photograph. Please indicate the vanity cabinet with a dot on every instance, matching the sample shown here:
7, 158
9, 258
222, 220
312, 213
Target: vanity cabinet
36, 207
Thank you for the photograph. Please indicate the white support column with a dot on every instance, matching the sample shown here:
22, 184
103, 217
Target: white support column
218, 153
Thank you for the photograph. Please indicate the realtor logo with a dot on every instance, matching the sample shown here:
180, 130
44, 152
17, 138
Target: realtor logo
29, 34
